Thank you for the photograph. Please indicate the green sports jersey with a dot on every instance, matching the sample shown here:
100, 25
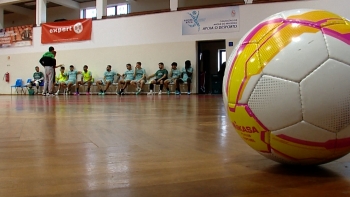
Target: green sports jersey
49, 54
175, 73
72, 75
184, 73
161, 73
139, 73
110, 75
38, 75
129, 75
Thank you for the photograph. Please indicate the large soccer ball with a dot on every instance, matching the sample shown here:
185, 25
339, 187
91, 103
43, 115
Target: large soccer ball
287, 87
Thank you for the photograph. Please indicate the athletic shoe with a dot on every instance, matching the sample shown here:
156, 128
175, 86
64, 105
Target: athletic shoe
119, 92
87, 93
188, 93
76, 93
160, 92
138, 91
44, 94
102, 93
177, 92
58, 91
150, 93
168, 92
122, 93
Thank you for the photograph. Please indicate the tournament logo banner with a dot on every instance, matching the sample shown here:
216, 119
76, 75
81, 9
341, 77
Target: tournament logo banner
66, 31
208, 21
16, 36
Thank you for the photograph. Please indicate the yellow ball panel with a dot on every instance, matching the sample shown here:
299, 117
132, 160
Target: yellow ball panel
249, 128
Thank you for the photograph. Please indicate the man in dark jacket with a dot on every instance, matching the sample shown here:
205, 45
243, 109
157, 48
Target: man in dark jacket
49, 62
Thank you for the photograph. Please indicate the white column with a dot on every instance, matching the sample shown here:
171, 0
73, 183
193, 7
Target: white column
101, 8
174, 4
40, 12
2, 18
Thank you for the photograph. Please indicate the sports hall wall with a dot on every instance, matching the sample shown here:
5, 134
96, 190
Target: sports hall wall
150, 39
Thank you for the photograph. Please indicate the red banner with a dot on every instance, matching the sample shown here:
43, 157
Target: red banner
66, 31
16, 36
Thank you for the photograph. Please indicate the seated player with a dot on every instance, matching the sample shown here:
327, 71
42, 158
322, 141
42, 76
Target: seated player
186, 77
86, 78
174, 74
128, 76
140, 76
72, 78
61, 79
38, 77
161, 75
107, 80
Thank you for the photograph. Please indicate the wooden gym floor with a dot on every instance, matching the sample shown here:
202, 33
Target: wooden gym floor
142, 146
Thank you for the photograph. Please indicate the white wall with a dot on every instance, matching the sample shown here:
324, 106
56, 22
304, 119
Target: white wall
154, 37
187, 3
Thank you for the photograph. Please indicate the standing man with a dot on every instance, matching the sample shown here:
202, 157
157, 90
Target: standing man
38, 77
186, 77
174, 74
107, 80
49, 62
140, 77
161, 75
86, 78
128, 76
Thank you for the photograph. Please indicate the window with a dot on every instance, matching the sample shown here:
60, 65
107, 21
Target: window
122, 9
90, 13
111, 11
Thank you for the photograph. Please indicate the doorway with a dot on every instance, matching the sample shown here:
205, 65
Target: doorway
211, 56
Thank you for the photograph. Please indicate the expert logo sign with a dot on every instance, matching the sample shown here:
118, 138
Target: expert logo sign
66, 31
78, 28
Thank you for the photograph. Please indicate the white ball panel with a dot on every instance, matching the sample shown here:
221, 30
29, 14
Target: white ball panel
249, 89
344, 133
325, 96
276, 102
308, 52
306, 132
288, 13
338, 49
272, 17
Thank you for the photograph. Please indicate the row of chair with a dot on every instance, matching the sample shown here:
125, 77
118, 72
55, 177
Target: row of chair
19, 86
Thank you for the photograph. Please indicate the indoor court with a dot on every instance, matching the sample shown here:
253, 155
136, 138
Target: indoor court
142, 146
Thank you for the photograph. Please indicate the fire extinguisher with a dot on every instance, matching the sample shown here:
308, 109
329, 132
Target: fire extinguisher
6, 77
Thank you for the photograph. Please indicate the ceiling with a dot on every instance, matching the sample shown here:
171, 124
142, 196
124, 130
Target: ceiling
31, 5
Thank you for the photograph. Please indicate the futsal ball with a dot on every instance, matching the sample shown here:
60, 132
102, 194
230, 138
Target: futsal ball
287, 87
